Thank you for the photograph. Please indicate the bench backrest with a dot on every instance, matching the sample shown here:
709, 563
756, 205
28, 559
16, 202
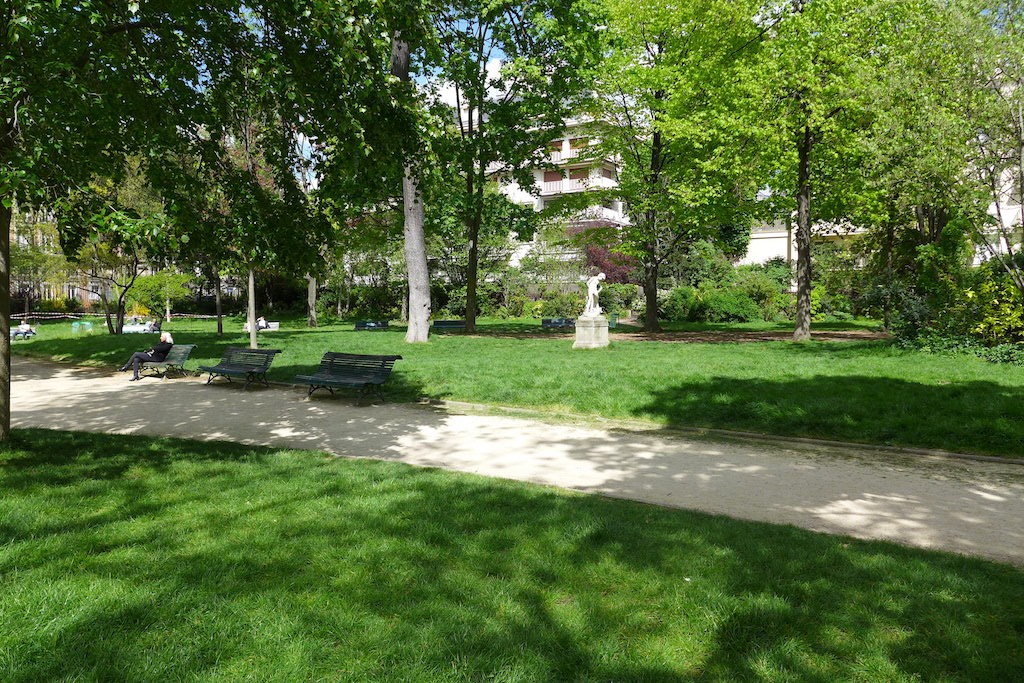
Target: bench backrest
371, 324
348, 363
449, 323
251, 359
178, 354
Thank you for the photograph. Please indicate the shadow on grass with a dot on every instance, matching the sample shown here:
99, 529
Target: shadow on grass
852, 408
224, 561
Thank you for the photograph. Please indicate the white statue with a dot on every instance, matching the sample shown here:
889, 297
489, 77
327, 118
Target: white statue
593, 309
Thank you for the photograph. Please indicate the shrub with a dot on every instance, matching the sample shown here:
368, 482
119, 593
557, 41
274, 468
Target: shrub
617, 298
60, 305
724, 306
675, 306
764, 290
557, 304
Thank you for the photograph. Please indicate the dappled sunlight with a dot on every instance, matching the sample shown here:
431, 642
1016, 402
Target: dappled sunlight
965, 507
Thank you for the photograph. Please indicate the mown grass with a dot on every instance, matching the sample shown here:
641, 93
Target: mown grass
129, 558
867, 392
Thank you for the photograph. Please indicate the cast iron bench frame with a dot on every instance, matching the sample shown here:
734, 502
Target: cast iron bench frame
350, 370
252, 364
175, 360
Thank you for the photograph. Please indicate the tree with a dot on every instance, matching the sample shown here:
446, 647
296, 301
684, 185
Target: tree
159, 290
810, 93
664, 101
507, 63
502, 223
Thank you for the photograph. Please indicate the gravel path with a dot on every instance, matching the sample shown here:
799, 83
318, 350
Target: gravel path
974, 508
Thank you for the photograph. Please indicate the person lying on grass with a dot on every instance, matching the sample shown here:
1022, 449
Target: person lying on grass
155, 355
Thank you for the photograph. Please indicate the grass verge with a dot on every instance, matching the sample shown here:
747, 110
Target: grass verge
127, 558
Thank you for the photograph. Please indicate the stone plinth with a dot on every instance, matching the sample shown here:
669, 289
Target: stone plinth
591, 332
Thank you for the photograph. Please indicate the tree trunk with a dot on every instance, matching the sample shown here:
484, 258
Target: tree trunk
167, 309
803, 239
416, 262
651, 323
415, 242
474, 196
311, 300
217, 302
6, 213
251, 312
105, 301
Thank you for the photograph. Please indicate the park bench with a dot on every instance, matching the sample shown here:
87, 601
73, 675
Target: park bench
350, 370
252, 364
449, 325
558, 323
175, 360
15, 333
272, 326
371, 325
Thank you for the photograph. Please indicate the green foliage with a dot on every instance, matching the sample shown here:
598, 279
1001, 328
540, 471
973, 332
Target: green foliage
701, 264
762, 286
675, 306
62, 305
724, 306
998, 309
154, 292
558, 304
618, 298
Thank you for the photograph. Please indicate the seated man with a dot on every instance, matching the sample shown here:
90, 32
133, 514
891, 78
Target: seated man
24, 330
262, 324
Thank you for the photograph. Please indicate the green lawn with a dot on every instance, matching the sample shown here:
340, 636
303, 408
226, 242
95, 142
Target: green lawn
136, 559
870, 392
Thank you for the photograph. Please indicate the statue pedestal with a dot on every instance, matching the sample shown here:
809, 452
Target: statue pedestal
591, 332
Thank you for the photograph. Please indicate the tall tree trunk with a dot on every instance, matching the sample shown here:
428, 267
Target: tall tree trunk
251, 312
472, 268
803, 238
167, 309
651, 323
219, 310
415, 242
416, 262
311, 301
6, 214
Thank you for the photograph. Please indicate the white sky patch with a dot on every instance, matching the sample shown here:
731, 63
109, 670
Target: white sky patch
446, 91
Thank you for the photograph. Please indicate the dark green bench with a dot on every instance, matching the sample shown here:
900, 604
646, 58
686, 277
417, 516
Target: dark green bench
251, 364
350, 370
175, 361
449, 325
558, 323
371, 325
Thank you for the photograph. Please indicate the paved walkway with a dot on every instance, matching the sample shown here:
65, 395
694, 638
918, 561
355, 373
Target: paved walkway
974, 508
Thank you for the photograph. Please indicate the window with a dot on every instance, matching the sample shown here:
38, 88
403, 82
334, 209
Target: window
552, 176
608, 173
579, 174
579, 143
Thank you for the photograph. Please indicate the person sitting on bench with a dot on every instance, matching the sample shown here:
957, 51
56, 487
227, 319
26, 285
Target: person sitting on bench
155, 355
25, 330
262, 324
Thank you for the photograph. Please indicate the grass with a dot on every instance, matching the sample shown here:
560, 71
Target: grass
128, 558
868, 392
